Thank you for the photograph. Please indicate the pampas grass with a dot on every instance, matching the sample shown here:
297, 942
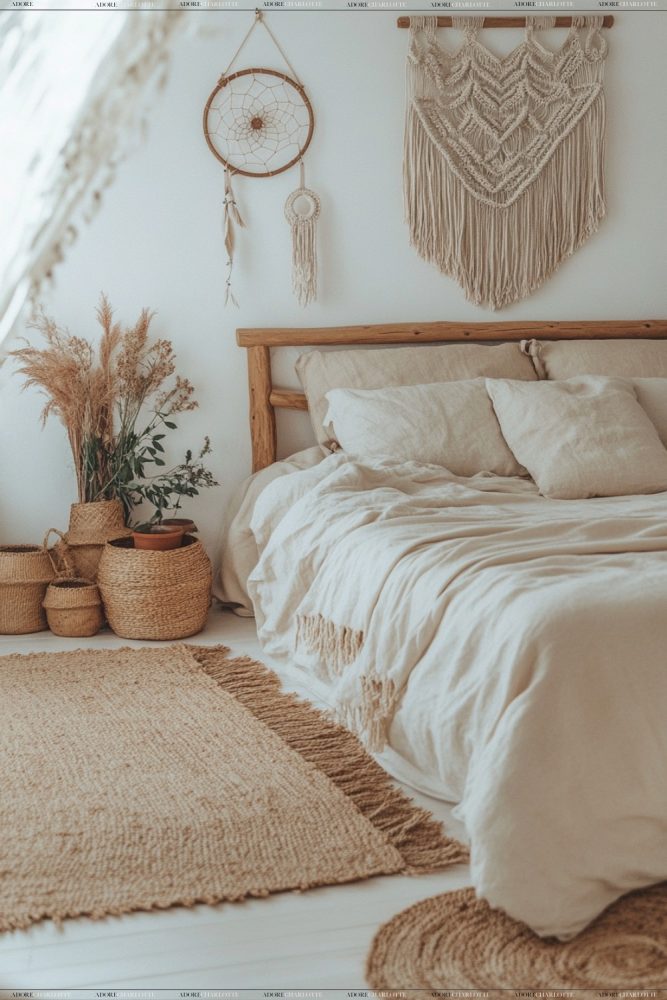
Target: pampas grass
81, 388
100, 395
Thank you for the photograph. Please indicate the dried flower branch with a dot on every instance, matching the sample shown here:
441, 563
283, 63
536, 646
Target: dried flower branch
103, 397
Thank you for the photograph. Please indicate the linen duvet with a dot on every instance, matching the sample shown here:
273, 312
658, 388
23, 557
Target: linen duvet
512, 647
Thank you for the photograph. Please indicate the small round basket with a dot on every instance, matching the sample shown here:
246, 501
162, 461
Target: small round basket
155, 595
25, 573
73, 607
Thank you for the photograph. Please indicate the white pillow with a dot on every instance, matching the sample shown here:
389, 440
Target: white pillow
581, 437
444, 423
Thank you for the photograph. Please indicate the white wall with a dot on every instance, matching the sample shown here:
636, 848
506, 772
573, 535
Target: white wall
157, 240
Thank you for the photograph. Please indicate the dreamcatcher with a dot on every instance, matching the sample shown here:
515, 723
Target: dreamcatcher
259, 123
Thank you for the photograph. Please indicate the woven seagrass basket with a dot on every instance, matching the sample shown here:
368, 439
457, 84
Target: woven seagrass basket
25, 573
155, 595
91, 525
73, 607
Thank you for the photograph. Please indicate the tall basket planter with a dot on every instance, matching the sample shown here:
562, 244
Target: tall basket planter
155, 595
91, 525
25, 573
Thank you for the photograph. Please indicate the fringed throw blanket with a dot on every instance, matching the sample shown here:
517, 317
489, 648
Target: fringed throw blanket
503, 167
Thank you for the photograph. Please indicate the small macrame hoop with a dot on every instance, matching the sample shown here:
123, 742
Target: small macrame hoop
304, 240
295, 217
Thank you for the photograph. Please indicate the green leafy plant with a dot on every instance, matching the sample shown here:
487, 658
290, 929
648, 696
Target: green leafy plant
165, 490
117, 405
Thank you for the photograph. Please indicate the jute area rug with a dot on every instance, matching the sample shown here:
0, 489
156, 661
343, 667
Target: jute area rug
136, 779
455, 942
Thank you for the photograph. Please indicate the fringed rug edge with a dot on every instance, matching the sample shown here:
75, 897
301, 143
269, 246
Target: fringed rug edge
336, 752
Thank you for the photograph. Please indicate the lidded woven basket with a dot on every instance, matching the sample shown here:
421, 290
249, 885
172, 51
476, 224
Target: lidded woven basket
155, 595
25, 573
91, 525
73, 607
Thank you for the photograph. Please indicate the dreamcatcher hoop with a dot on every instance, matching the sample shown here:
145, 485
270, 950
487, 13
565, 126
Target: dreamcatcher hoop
255, 122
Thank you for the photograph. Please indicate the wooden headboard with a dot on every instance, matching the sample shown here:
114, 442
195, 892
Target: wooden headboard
265, 398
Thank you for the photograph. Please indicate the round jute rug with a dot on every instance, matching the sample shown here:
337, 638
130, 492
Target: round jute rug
455, 941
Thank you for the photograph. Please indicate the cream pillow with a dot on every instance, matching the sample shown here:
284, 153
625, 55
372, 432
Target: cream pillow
446, 423
320, 371
581, 437
558, 359
652, 397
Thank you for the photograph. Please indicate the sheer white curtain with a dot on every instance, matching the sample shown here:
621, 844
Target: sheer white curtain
73, 88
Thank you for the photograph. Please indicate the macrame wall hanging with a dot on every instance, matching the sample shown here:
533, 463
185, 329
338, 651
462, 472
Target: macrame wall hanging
259, 123
302, 210
503, 159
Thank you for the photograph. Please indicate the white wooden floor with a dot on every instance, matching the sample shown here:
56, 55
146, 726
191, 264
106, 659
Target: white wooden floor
313, 940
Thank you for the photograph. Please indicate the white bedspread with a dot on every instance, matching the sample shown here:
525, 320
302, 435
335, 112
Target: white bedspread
512, 646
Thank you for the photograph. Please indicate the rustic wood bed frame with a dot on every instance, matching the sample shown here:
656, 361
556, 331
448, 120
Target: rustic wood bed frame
265, 398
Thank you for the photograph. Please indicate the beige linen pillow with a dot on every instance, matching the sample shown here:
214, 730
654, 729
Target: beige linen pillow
320, 371
652, 397
445, 423
581, 437
555, 359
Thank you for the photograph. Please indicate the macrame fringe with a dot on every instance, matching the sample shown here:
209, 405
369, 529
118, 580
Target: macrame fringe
336, 646
338, 754
304, 261
500, 255
304, 239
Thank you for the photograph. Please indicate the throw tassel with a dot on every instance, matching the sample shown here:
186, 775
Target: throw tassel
370, 712
336, 646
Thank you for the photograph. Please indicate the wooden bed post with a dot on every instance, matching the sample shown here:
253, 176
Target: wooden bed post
262, 414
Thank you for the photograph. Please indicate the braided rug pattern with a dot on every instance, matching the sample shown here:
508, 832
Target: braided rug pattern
136, 779
455, 941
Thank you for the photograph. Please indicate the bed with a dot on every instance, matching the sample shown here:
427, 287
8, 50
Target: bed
508, 647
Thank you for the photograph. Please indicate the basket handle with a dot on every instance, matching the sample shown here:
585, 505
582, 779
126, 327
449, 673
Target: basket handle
69, 568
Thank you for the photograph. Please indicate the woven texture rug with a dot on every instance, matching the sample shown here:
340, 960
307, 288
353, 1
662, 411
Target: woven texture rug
456, 941
135, 779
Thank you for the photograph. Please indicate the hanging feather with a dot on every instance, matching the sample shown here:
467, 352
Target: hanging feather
232, 217
302, 210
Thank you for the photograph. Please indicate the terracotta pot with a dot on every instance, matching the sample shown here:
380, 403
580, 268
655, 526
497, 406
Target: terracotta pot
184, 523
158, 538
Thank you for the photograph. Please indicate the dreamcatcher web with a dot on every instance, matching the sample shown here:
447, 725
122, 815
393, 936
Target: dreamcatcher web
257, 122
